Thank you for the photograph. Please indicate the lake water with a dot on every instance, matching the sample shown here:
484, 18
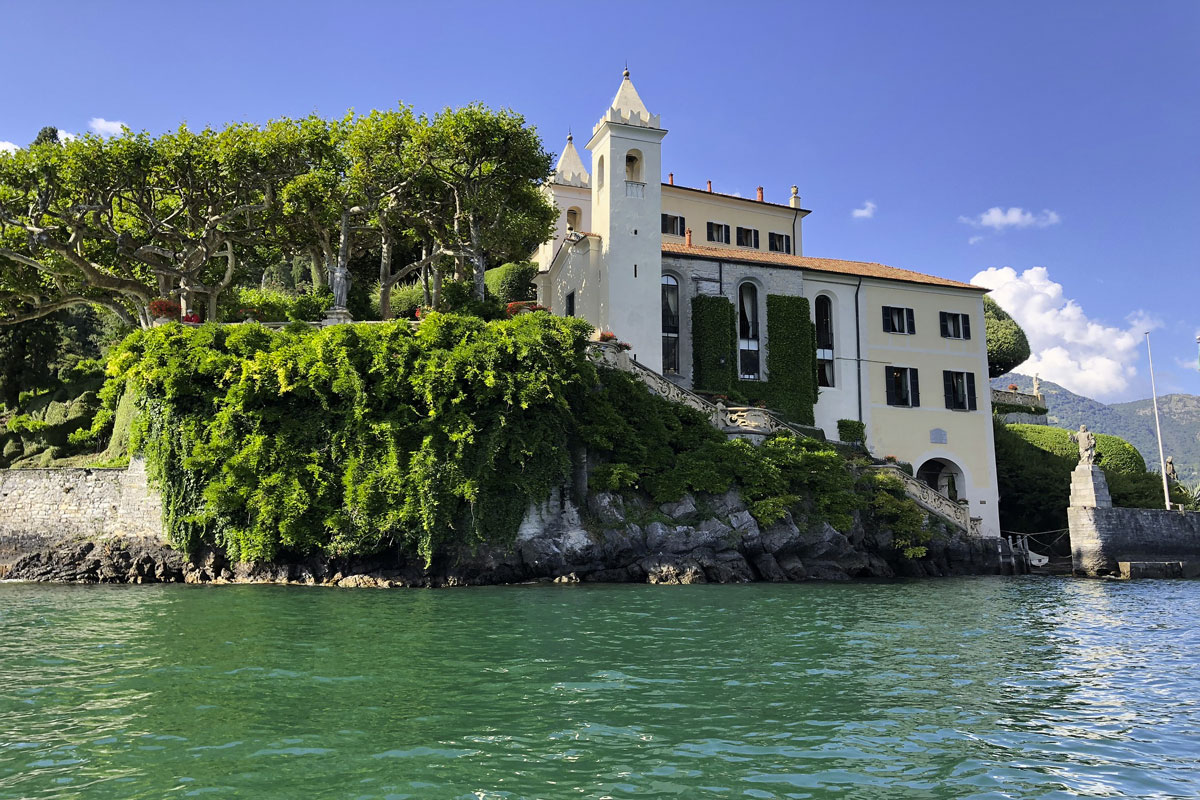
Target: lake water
971, 688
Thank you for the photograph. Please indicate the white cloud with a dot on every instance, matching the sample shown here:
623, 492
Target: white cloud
8, 147
106, 127
975, 240
66, 136
1069, 348
866, 212
999, 219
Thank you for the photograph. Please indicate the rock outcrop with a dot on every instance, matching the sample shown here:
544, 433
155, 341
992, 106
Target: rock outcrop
620, 539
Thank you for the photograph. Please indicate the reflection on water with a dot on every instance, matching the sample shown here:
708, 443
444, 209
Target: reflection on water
982, 688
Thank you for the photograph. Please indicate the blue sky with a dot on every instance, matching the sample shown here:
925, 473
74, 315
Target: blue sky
1082, 116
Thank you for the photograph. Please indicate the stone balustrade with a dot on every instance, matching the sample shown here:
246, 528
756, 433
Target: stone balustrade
932, 500
1006, 397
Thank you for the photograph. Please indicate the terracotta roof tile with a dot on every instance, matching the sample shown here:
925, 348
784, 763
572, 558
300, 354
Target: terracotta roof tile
866, 269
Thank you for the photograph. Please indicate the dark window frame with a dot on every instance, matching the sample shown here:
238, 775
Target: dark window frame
570, 302
673, 225
748, 237
955, 325
718, 232
903, 386
779, 243
906, 317
959, 390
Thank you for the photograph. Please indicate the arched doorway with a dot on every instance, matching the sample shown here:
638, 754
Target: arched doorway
945, 477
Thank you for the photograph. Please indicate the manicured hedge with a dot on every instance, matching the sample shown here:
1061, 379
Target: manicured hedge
511, 283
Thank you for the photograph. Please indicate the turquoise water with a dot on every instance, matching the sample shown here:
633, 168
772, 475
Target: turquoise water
980, 688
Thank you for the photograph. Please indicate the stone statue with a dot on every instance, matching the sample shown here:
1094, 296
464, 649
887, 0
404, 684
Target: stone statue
341, 287
1172, 475
1037, 386
1087, 446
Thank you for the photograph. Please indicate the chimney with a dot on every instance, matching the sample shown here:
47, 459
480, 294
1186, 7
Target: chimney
760, 194
671, 178
710, 186
687, 237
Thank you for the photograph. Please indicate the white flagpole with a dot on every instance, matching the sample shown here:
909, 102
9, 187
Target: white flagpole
1157, 429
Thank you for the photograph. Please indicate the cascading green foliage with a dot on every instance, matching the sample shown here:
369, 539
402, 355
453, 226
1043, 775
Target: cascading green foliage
347, 439
791, 385
351, 439
714, 346
668, 449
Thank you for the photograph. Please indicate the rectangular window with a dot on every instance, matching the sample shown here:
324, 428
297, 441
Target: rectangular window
673, 225
902, 386
824, 371
780, 242
960, 390
570, 304
898, 320
718, 233
747, 237
954, 325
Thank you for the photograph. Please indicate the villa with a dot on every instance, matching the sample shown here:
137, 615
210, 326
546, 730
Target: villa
630, 253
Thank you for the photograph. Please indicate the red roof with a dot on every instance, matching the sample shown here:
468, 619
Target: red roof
866, 269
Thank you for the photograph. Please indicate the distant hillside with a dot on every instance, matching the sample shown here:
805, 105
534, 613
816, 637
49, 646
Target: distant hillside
1133, 422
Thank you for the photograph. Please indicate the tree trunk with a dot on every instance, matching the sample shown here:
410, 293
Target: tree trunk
479, 259
385, 278
427, 299
437, 289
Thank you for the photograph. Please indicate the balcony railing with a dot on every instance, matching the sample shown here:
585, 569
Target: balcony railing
635, 189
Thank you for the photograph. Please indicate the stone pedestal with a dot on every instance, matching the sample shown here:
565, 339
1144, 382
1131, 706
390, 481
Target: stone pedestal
337, 316
1089, 489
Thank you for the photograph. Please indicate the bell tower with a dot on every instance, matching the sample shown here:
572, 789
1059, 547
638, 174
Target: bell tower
626, 147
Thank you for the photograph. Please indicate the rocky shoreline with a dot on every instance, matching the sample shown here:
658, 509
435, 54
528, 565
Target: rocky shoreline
618, 539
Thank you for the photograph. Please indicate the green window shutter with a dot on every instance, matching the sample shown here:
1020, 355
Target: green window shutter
756, 238
710, 231
971, 404
944, 320
966, 325
914, 388
889, 382
887, 319
948, 384
912, 323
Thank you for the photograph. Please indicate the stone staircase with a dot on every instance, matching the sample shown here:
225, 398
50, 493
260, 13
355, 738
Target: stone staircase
755, 424
745, 422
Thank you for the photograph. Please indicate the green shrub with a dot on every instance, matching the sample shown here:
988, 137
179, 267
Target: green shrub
274, 305
908, 523
512, 283
852, 431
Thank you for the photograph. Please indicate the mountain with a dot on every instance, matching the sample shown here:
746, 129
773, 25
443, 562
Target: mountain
1179, 415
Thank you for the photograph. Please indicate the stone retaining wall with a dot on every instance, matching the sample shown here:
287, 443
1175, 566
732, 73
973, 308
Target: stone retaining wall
1107, 540
1101, 538
40, 508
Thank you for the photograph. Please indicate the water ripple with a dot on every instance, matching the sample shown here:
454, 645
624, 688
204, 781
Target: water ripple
974, 688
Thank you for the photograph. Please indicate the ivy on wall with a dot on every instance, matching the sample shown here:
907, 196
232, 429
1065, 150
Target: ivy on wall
791, 355
714, 344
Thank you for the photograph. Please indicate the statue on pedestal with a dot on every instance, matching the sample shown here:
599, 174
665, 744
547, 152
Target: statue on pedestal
341, 287
1172, 475
1087, 446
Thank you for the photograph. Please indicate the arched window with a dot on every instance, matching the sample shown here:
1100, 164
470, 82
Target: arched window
824, 310
573, 215
748, 326
670, 325
633, 165
600, 172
